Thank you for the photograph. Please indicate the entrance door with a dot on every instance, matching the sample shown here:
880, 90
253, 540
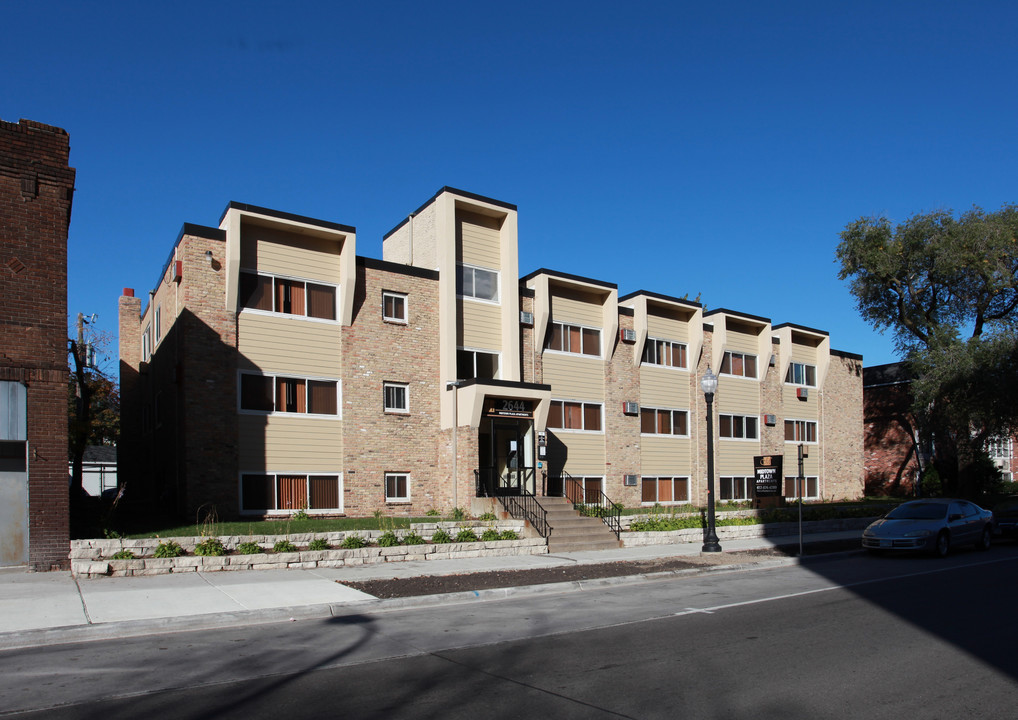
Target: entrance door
13, 503
508, 450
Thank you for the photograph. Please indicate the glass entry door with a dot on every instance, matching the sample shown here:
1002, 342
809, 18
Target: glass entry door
512, 450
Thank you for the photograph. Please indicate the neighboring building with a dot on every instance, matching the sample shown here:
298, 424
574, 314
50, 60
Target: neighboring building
36, 188
272, 369
98, 469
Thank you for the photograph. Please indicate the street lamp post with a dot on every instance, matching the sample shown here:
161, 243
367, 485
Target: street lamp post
709, 385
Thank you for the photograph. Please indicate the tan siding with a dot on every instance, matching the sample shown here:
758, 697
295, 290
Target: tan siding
810, 465
661, 387
576, 308
282, 254
480, 325
574, 378
797, 409
804, 354
479, 243
665, 456
295, 444
738, 395
267, 343
741, 342
736, 457
665, 328
585, 453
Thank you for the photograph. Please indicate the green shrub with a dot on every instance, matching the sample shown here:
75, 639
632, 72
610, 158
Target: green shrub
509, 535
489, 535
353, 542
300, 515
457, 513
122, 555
413, 538
249, 548
168, 549
388, 539
466, 535
432, 513
284, 546
210, 546
488, 517
319, 544
441, 536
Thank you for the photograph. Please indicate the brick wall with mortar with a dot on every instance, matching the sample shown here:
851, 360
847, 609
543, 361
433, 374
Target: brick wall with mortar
698, 425
129, 447
36, 190
842, 428
772, 437
374, 352
889, 457
621, 384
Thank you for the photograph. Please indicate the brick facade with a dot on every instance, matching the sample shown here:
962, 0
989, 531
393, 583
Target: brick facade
36, 189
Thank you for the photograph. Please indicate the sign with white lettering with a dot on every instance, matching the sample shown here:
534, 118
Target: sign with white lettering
767, 475
509, 407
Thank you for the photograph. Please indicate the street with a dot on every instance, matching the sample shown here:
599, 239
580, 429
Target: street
851, 636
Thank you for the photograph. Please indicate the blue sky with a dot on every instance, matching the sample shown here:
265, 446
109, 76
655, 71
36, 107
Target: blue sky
711, 148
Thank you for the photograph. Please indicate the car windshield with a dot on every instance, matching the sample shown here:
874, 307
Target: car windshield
918, 511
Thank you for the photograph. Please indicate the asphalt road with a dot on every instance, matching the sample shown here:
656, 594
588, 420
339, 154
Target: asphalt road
885, 637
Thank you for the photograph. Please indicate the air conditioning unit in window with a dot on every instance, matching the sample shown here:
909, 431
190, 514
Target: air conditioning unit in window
630, 408
628, 335
629, 480
770, 420
526, 318
802, 393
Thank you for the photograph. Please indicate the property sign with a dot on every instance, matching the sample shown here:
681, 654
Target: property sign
509, 407
767, 474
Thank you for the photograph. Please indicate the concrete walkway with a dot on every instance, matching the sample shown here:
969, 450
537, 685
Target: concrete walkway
50, 608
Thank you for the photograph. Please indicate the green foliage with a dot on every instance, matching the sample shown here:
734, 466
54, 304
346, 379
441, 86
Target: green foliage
441, 536
466, 535
353, 542
210, 546
319, 544
488, 517
249, 548
284, 546
413, 538
122, 555
509, 535
168, 549
458, 513
300, 516
489, 535
111, 534
388, 539
432, 512
930, 484
663, 523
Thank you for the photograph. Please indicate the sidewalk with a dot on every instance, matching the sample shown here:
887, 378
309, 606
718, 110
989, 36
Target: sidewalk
51, 608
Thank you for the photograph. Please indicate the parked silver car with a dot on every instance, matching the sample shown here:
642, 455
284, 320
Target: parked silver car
935, 525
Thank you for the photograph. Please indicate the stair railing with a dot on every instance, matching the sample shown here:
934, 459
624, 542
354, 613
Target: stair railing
600, 505
521, 504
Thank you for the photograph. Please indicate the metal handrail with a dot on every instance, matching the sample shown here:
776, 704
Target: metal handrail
603, 507
514, 497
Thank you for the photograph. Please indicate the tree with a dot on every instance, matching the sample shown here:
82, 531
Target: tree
93, 405
947, 288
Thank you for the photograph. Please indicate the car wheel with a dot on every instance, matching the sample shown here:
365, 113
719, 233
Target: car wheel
942, 545
984, 539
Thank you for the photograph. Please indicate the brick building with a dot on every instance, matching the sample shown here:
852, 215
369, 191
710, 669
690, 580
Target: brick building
36, 188
272, 368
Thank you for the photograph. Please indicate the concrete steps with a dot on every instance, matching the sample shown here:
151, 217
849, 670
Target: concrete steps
572, 532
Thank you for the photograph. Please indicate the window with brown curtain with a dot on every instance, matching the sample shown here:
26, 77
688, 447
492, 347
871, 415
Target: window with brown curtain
255, 291
324, 492
289, 297
256, 393
322, 397
292, 492
321, 301
290, 395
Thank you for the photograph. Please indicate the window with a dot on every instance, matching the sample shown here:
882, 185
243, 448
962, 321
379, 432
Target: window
999, 448
396, 397
287, 296
663, 422
566, 415
738, 427
478, 283
476, 364
574, 339
394, 307
738, 364
734, 488
397, 487
800, 374
809, 488
800, 431
146, 344
289, 492
158, 323
665, 353
664, 490
278, 394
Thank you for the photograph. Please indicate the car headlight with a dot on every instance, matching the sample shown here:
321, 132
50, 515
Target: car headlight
918, 533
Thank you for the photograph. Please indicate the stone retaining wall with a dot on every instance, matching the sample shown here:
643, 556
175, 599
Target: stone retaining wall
736, 532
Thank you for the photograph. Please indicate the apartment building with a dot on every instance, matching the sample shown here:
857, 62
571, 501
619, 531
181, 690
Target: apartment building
272, 368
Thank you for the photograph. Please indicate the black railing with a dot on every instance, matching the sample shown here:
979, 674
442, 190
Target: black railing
511, 490
593, 503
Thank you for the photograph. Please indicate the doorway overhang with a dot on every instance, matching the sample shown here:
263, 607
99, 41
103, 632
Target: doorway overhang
471, 396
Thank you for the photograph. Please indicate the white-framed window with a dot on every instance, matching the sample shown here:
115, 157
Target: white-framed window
287, 296
809, 486
288, 394
146, 344
658, 421
396, 397
801, 374
801, 431
664, 353
735, 488
664, 490
482, 364
1000, 448
573, 415
738, 364
739, 427
394, 307
397, 487
574, 339
157, 323
286, 492
477, 283
586, 490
